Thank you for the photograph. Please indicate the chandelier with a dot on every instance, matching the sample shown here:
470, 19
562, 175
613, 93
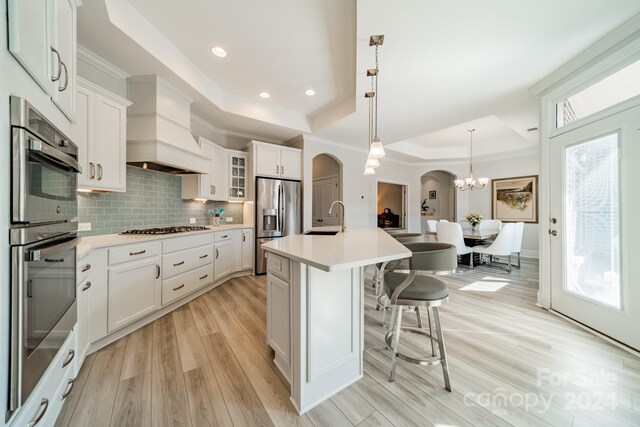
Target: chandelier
471, 183
376, 150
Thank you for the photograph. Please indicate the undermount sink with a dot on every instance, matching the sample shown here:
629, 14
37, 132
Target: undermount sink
321, 233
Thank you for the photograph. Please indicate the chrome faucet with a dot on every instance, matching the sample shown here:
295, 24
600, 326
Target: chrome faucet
342, 224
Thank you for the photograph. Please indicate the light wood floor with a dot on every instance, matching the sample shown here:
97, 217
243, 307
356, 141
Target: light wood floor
511, 364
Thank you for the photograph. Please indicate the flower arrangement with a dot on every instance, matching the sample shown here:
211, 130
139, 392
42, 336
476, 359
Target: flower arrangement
474, 218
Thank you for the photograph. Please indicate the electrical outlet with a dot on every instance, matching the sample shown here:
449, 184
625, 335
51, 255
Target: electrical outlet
192, 220
229, 219
84, 226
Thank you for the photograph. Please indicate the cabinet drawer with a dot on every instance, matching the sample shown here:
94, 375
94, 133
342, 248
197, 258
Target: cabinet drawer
186, 242
134, 252
184, 284
221, 236
278, 266
183, 261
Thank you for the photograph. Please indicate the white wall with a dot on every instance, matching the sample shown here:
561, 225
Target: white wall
480, 200
359, 191
324, 165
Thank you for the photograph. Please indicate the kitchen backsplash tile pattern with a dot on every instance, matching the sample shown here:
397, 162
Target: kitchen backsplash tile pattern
153, 199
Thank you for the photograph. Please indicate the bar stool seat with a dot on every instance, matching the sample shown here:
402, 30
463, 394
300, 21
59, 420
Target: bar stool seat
413, 290
423, 288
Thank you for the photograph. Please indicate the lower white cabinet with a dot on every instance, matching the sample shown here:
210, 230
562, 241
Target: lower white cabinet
247, 249
279, 322
134, 291
224, 258
83, 327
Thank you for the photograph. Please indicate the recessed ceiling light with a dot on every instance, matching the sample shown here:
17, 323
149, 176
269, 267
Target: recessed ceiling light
218, 51
264, 95
309, 92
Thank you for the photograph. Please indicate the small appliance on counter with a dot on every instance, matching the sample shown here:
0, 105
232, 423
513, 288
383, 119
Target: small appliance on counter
43, 238
278, 213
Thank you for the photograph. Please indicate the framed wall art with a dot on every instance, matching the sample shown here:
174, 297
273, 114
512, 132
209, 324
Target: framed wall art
515, 199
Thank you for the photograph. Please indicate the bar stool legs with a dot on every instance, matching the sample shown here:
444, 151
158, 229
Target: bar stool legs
392, 339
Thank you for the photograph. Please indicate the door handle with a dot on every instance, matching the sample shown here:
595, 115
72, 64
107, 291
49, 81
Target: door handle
70, 384
553, 232
138, 253
66, 77
86, 268
57, 76
92, 167
178, 263
217, 253
277, 170
282, 169
69, 358
87, 286
204, 256
44, 405
179, 287
99, 172
204, 277
157, 271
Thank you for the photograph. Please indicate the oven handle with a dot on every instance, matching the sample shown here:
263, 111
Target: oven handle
54, 155
38, 254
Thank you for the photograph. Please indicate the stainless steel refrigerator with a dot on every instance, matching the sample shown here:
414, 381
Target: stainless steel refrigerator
278, 213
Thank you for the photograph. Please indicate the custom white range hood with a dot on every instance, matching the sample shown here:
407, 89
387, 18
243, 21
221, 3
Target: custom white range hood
158, 129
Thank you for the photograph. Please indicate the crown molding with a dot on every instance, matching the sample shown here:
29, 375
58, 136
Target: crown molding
225, 132
512, 154
91, 58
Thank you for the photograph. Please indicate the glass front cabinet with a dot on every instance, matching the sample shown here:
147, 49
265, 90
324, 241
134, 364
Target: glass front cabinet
238, 175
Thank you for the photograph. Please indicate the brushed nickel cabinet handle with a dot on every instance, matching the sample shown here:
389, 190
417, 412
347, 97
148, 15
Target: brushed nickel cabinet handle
92, 168
178, 263
157, 271
282, 169
204, 277
66, 78
100, 174
138, 253
277, 170
179, 287
86, 268
204, 256
57, 76
87, 286
217, 253
69, 358
70, 384
225, 236
44, 405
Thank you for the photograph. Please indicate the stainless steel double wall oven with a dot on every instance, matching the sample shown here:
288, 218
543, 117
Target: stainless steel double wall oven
43, 238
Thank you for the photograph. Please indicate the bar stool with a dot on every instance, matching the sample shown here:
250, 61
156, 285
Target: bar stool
412, 290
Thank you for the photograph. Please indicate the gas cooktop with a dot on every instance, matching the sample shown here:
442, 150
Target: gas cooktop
166, 230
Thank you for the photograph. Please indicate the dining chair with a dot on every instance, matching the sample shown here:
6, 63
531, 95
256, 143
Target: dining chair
451, 232
443, 220
431, 225
501, 246
517, 239
490, 225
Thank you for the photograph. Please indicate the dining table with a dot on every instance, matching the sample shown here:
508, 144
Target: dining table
473, 237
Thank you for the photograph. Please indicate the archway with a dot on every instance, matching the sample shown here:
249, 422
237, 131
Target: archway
439, 197
327, 188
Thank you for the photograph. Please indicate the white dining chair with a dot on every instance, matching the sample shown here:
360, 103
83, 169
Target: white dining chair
517, 240
490, 225
501, 246
431, 225
444, 220
451, 232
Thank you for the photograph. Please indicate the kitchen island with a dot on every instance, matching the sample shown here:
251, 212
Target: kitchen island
315, 307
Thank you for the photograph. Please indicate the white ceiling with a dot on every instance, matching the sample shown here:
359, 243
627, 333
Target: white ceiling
445, 66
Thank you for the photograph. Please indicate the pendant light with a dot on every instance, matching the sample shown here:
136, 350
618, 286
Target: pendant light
470, 183
376, 150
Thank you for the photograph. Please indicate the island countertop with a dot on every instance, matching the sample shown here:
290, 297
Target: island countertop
356, 247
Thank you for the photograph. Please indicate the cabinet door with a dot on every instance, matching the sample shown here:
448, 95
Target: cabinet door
290, 164
133, 292
110, 140
247, 249
267, 160
62, 36
28, 39
237, 176
83, 326
278, 317
81, 135
219, 177
224, 259
205, 188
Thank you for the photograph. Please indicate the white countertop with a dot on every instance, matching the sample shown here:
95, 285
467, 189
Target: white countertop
355, 247
89, 243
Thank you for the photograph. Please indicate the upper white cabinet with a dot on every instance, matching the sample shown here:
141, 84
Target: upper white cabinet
100, 132
42, 37
275, 161
238, 176
214, 185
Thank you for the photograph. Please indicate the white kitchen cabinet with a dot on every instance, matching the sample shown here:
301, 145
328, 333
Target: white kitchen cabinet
247, 249
238, 176
42, 37
272, 160
279, 322
83, 326
211, 186
62, 36
100, 132
134, 291
224, 253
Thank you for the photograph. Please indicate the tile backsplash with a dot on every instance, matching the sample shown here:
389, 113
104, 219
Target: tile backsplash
152, 199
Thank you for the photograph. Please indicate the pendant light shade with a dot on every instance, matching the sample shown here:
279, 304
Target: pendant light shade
377, 150
369, 171
372, 162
